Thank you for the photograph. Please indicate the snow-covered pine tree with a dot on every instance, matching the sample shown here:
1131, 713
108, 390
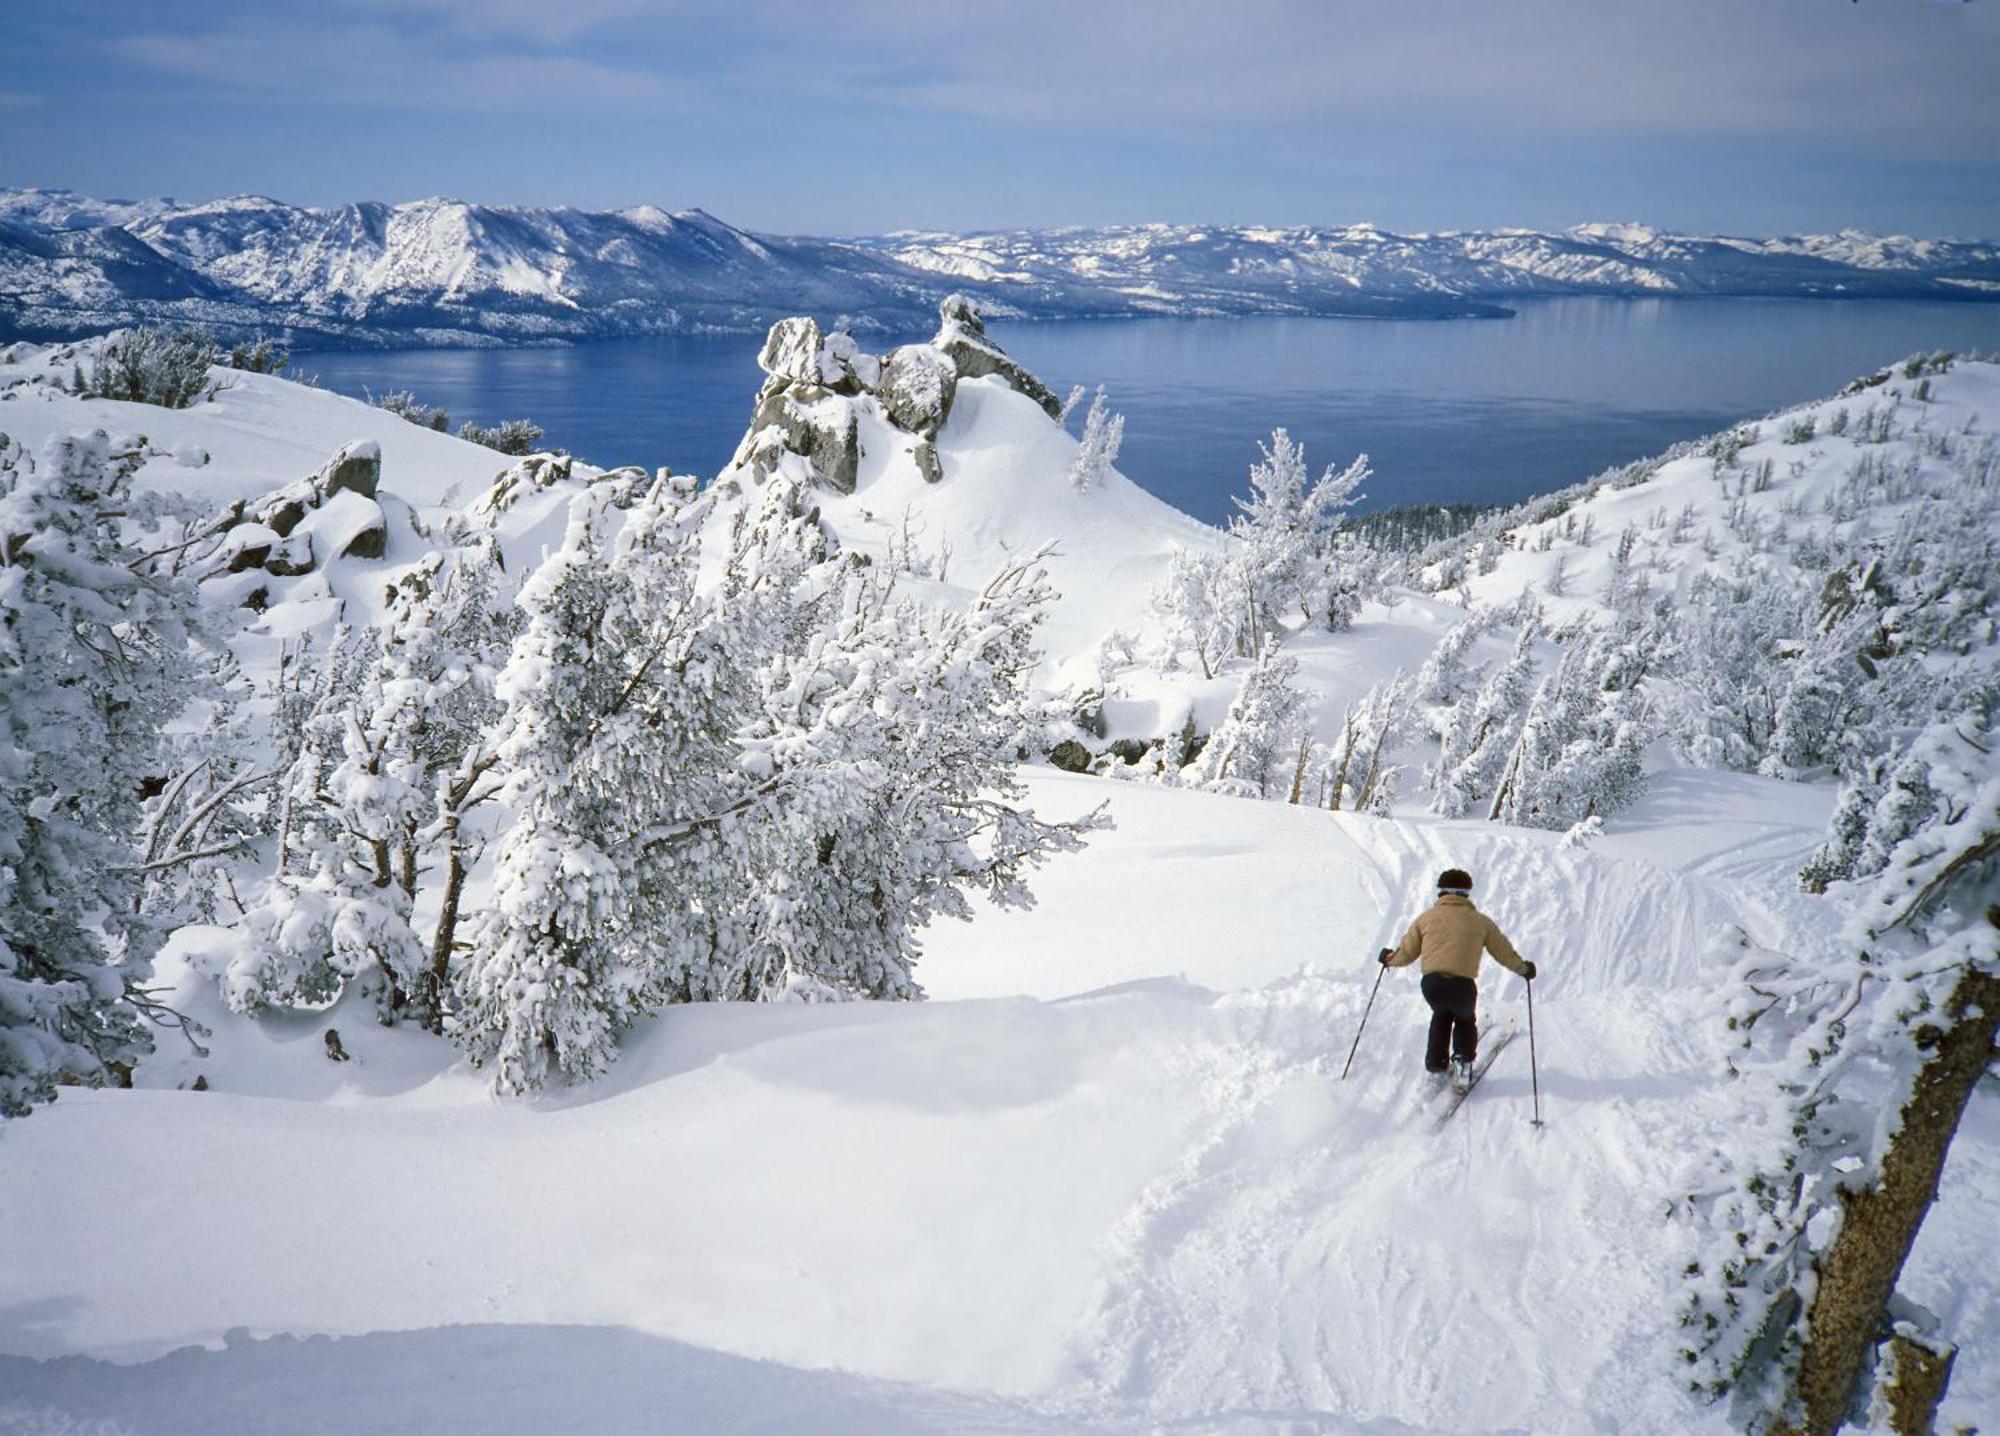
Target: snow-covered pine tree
1097, 447
1446, 677
391, 757
449, 633
1485, 729
1725, 642
1285, 528
94, 656
1253, 752
1200, 606
215, 804
890, 738
334, 912
1581, 744
1813, 726
1863, 1058
1355, 770
554, 975
747, 788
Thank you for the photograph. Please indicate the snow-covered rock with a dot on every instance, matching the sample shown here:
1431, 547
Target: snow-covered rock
950, 463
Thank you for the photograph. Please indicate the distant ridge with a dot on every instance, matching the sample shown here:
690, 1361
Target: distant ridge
442, 271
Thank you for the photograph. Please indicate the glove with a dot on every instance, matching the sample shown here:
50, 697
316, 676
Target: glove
1530, 973
1385, 955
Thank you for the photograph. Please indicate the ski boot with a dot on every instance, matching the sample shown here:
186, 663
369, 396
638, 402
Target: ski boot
1461, 1075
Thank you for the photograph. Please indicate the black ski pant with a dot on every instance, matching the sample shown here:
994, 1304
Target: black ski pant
1454, 1019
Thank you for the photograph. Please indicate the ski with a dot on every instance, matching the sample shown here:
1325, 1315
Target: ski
1496, 1043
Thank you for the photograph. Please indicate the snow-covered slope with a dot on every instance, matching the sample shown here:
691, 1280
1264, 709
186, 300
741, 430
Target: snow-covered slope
1842, 467
1149, 1202
443, 271
1109, 1179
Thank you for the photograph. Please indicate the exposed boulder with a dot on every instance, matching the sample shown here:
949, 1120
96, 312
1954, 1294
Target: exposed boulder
928, 464
825, 431
817, 386
1070, 756
962, 337
807, 404
918, 384
274, 532
281, 510
796, 352
529, 474
792, 351
290, 557
357, 467
248, 546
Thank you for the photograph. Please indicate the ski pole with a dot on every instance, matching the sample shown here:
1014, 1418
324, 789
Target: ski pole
1381, 971
1534, 1074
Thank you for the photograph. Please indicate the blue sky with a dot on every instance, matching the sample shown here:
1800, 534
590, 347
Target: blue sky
1743, 116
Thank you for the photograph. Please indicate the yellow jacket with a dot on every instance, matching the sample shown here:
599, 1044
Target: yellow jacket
1450, 935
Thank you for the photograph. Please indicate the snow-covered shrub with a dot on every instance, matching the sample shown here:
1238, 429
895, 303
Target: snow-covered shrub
257, 356
151, 366
510, 436
405, 405
94, 658
1097, 447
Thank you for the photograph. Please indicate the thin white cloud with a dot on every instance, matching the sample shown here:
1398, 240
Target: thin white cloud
1685, 67
558, 23
372, 62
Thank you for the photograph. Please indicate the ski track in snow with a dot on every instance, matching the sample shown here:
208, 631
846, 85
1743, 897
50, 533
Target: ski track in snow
1131, 1205
1321, 1251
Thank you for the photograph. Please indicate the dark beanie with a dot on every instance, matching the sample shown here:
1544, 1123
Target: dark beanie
1455, 880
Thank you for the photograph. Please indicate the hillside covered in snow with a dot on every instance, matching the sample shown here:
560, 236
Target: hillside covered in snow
489, 858
440, 271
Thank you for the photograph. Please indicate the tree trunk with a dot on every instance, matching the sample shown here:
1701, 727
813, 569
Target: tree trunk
1299, 771
1858, 1275
1921, 1375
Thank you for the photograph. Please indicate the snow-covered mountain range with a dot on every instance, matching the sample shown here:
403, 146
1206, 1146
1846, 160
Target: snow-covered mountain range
441, 271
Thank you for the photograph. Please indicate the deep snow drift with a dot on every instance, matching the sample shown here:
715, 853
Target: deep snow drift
1108, 1179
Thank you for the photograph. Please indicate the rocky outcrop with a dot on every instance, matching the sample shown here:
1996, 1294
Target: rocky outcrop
293, 530
807, 420
961, 337
818, 386
525, 476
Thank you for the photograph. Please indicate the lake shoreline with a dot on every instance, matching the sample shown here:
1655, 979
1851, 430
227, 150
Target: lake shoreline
1450, 413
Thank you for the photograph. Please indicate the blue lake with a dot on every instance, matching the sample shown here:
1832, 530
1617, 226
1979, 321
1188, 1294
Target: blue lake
1478, 410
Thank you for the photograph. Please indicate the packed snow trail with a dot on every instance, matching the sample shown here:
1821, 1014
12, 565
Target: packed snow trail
1139, 1201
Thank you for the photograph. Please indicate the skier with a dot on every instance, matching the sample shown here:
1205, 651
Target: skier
1450, 936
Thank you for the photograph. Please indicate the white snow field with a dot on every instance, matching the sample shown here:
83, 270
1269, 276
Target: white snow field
1108, 1179
1136, 1195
